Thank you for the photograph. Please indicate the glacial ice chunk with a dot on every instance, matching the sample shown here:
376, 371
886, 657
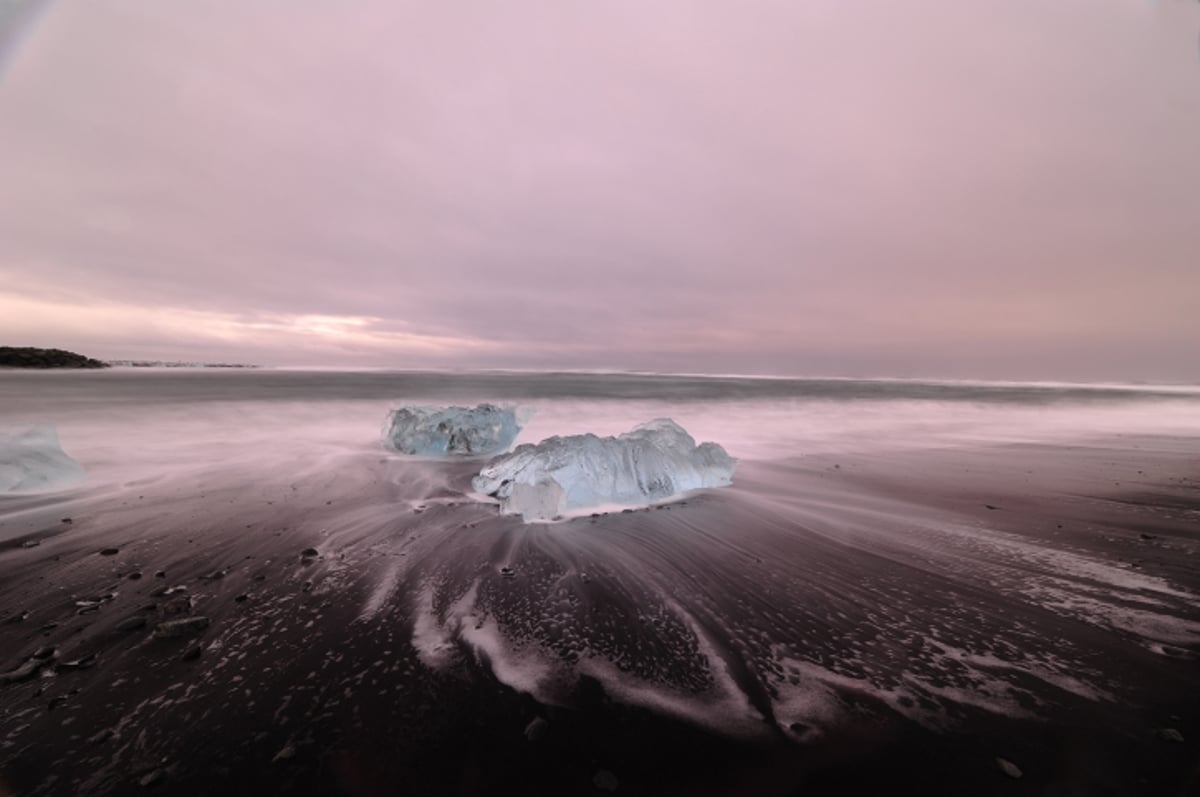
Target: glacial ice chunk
451, 431
653, 462
33, 460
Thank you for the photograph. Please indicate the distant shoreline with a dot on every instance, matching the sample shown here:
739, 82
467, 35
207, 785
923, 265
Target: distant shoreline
163, 364
41, 359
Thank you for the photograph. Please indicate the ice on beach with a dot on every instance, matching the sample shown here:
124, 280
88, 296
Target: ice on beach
451, 431
653, 462
33, 460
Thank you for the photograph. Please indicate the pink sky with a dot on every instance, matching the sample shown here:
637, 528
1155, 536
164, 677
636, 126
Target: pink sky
937, 188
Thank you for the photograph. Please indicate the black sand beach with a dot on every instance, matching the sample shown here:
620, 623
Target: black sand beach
938, 618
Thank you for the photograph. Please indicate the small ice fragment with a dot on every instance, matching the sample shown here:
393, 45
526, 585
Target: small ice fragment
655, 461
33, 461
451, 431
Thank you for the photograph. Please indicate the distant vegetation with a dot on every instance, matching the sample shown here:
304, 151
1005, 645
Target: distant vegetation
29, 357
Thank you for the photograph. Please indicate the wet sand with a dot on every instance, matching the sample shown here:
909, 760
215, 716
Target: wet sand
830, 624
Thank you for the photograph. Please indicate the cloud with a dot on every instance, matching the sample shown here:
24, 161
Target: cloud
958, 187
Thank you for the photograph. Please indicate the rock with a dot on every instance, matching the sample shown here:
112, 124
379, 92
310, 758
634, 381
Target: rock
192, 653
286, 754
1169, 735
161, 574
109, 551
1009, 768
535, 731
989, 506
604, 780
1146, 536
19, 617
187, 626
44, 653
309, 553
134, 576
31, 543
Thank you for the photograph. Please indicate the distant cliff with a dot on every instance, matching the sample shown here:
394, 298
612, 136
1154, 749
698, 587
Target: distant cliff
28, 357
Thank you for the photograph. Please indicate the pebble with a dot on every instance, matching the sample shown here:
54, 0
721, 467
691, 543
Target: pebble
131, 623
22, 673
77, 664
151, 778
173, 629
535, 731
1009, 768
604, 780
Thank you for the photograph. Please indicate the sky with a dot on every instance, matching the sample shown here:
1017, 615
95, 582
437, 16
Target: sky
950, 188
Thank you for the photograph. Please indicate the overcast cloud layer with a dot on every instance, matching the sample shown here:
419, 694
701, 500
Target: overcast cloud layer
929, 187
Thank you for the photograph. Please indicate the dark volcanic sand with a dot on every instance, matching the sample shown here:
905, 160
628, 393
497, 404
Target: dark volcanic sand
828, 625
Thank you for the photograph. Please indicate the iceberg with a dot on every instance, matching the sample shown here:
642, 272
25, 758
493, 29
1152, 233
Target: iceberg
451, 431
655, 461
33, 461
